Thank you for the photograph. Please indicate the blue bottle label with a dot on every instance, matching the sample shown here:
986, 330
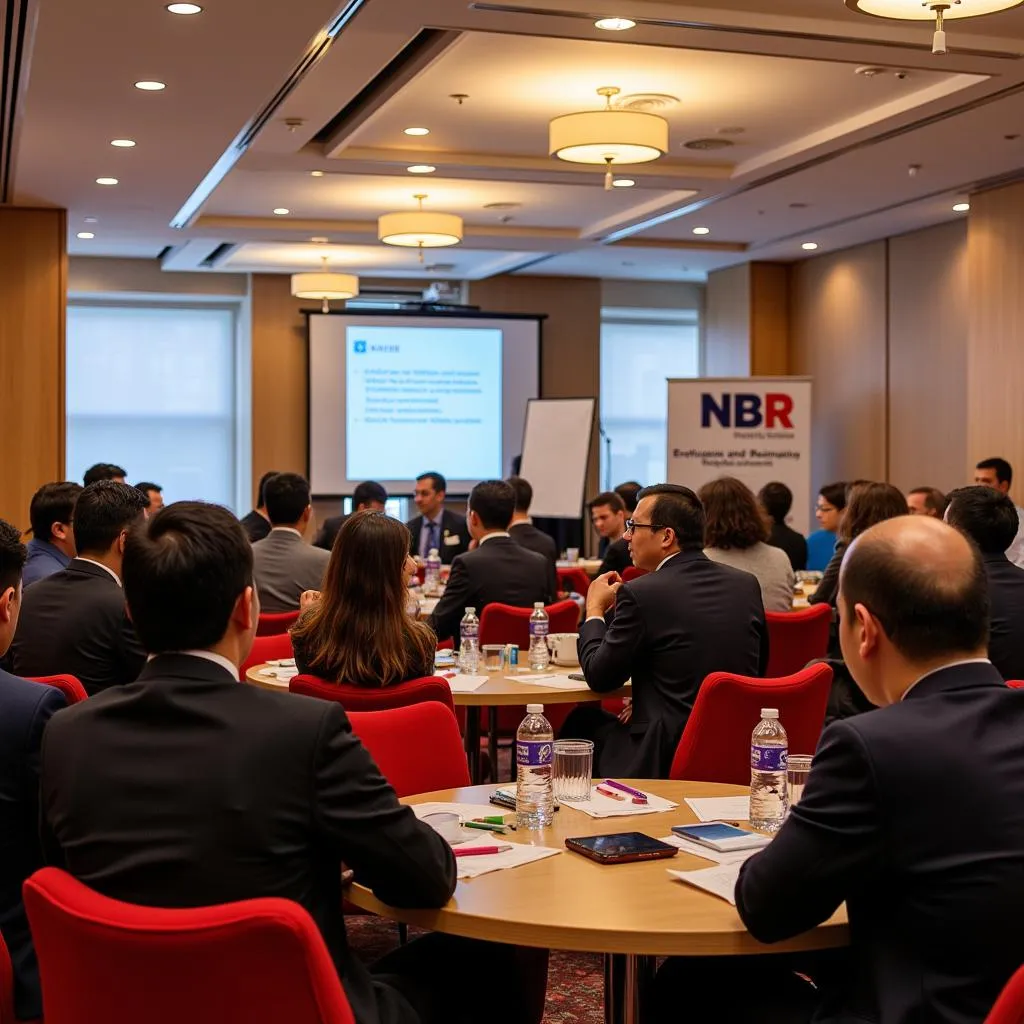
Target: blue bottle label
538, 629
469, 632
768, 759
533, 753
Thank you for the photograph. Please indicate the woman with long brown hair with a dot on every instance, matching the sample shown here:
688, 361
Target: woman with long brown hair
359, 630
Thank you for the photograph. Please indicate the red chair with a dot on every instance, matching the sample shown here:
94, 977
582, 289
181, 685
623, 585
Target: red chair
418, 748
715, 745
6, 985
272, 623
267, 648
1009, 1007
796, 638
1015, 684
573, 580
380, 698
261, 961
73, 690
631, 572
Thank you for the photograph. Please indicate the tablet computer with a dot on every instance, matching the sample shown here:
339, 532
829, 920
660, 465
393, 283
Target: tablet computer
621, 847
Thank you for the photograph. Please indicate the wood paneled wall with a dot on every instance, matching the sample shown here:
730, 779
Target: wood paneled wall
33, 298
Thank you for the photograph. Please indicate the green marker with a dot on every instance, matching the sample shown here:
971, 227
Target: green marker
492, 819
486, 826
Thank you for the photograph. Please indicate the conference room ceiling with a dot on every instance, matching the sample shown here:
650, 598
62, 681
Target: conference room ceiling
790, 142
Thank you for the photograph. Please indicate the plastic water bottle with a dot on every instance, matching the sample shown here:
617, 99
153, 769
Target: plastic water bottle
539, 659
469, 642
535, 801
432, 577
769, 751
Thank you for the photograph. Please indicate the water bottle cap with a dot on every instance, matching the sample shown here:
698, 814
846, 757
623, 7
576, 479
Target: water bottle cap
769, 712
538, 604
535, 709
472, 611
432, 551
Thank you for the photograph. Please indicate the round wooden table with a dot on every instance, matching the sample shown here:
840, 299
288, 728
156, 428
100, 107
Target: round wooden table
630, 912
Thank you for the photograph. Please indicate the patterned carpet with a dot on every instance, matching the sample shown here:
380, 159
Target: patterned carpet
575, 980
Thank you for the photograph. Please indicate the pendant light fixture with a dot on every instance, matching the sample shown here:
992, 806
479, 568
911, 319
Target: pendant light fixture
419, 228
325, 286
609, 136
928, 10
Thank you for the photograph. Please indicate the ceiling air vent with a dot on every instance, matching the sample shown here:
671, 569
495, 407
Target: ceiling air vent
647, 101
709, 144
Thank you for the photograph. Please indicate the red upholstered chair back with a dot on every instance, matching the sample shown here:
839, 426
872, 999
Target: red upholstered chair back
506, 624
6, 985
1015, 684
715, 745
72, 689
267, 648
271, 623
574, 579
417, 748
380, 698
261, 961
796, 638
631, 572
1009, 1007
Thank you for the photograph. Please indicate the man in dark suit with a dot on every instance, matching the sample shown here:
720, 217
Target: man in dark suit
25, 708
521, 529
608, 516
209, 790
498, 569
257, 523
990, 519
687, 617
52, 546
367, 495
74, 622
436, 526
913, 813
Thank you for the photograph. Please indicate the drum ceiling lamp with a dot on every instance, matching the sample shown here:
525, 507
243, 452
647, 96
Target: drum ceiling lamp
325, 286
929, 10
419, 228
610, 136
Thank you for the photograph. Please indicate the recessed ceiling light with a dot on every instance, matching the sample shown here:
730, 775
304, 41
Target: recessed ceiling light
319, 239
184, 8
123, 143
90, 220
623, 183
281, 211
416, 131
150, 86
85, 234
961, 207
421, 169
702, 231
614, 24
316, 174
106, 181
809, 246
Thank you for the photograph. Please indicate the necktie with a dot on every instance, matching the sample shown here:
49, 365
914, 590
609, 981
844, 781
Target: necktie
435, 535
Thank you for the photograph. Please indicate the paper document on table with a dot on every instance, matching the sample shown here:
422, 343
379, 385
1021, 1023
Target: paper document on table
466, 684
600, 806
554, 682
282, 662
720, 808
719, 880
467, 812
689, 846
284, 674
514, 857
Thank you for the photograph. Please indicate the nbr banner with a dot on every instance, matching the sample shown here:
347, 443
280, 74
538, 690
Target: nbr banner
757, 429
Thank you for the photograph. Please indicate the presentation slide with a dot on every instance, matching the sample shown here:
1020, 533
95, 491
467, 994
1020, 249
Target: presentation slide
415, 392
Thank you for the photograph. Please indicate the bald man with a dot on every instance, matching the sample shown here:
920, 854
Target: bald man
914, 813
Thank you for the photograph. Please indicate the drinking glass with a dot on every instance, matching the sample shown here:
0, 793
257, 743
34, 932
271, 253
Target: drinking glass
572, 555
573, 770
799, 767
494, 657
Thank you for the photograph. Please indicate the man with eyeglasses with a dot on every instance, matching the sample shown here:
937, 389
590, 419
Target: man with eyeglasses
686, 618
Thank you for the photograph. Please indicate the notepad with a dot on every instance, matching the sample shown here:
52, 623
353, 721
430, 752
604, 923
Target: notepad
720, 808
466, 684
599, 806
719, 881
696, 850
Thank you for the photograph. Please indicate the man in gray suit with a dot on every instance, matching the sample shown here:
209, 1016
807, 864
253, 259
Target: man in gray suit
284, 565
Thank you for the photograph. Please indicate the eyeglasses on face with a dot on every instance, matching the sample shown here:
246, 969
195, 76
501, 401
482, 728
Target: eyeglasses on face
632, 524
824, 508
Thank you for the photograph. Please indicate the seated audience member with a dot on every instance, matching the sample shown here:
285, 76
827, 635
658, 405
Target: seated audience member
926, 501
255, 523
687, 617
358, 630
368, 495
52, 546
777, 499
498, 569
436, 526
521, 529
25, 708
74, 622
104, 471
284, 565
154, 495
998, 473
735, 533
629, 492
210, 791
988, 517
608, 516
913, 815
828, 510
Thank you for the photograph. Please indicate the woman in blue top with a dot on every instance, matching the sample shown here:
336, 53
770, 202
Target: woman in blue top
829, 513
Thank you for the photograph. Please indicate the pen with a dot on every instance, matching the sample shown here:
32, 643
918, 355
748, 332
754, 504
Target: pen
485, 826
480, 851
638, 797
492, 819
610, 792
